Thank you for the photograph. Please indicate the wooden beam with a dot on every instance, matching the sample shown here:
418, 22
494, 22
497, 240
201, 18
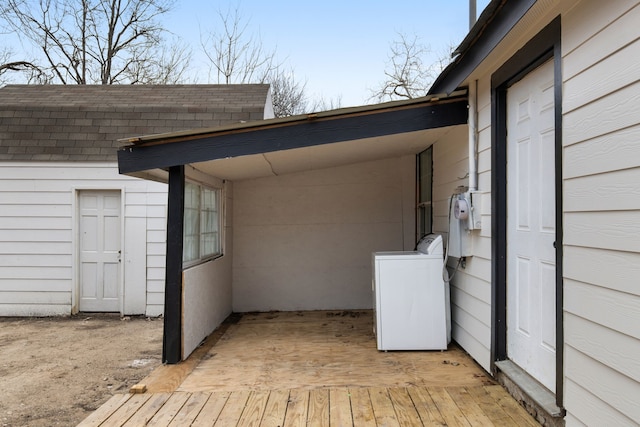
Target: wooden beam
172, 337
298, 134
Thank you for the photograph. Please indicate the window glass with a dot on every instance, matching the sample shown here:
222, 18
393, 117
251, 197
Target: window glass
209, 223
201, 223
424, 211
426, 174
191, 222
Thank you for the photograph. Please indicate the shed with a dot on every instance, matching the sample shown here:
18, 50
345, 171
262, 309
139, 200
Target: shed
75, 235
545, 296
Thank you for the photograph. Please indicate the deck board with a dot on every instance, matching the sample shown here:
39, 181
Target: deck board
383, 407
451, 413
316, 369
276, 408
128, 409
148, 410
190, 410
361, 408
102, 413
211, 410
169, 410
233, 409
511, 407
254, 409
340, 408
404, 407
426, 407
469, 407
296, 414
318, 412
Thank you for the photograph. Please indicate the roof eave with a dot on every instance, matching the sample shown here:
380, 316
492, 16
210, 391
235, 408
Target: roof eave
495, 22
165, 151
261, 124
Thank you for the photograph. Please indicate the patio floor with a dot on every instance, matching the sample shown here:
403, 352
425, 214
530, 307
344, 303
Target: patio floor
314, 368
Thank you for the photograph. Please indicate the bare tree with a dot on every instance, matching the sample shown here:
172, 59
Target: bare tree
237, 56
8, 64
407, 74
95, 41
288, 96
323, 104
168, 65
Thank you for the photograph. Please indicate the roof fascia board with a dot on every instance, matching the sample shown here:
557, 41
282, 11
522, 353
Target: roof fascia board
299, 134
330, 114
487, 33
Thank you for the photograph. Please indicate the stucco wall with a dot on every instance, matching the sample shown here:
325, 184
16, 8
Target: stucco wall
207, 288
303, 241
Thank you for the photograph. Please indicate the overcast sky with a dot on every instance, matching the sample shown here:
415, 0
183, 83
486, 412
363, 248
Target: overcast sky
339, 47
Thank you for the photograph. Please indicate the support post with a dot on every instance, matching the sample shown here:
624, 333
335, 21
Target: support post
172, 336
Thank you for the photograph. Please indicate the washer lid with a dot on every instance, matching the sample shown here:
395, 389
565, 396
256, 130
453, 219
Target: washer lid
430, 244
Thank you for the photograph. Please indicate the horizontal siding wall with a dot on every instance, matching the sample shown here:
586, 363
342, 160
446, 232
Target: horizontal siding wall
471, 286
601, 47
37, 233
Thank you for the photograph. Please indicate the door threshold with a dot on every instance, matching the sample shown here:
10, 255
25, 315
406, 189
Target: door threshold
538, 400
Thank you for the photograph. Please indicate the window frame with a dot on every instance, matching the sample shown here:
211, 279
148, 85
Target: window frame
203, 209
424, 205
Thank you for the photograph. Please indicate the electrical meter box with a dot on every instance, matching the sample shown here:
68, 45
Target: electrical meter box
463, 217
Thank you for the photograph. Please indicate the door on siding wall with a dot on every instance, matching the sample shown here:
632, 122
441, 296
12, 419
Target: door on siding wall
531, 279
99, 213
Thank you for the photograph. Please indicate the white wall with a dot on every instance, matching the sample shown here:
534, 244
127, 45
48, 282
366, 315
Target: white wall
470, 287
206, 301
601, 192
38, 225
303, 241
207, 289
601, 115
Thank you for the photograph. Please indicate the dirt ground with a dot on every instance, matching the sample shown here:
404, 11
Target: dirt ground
56, 371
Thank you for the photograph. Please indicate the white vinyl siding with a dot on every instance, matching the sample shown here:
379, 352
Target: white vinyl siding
38, 236
471, 287
601, 117
601, 203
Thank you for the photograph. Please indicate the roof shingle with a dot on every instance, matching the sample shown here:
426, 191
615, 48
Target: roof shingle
85, 122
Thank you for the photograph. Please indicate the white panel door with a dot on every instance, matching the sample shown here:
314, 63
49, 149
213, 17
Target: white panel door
531, 302
99, 251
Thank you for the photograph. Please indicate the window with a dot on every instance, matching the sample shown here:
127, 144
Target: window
201, 223
425, 182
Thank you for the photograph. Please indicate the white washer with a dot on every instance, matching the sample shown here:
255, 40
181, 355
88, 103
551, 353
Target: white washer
411, 300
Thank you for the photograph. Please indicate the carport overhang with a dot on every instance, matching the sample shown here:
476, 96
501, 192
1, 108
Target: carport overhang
247, 150
274, 147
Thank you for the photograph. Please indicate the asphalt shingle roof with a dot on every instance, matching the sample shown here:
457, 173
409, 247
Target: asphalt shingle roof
84, 122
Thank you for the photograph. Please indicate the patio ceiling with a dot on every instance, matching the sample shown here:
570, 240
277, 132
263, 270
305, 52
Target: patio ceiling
321, 156
299, 143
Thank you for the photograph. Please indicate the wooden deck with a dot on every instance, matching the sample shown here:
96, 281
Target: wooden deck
314, 368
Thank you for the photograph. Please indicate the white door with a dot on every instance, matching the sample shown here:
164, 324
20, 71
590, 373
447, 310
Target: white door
531, 302
99, 251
